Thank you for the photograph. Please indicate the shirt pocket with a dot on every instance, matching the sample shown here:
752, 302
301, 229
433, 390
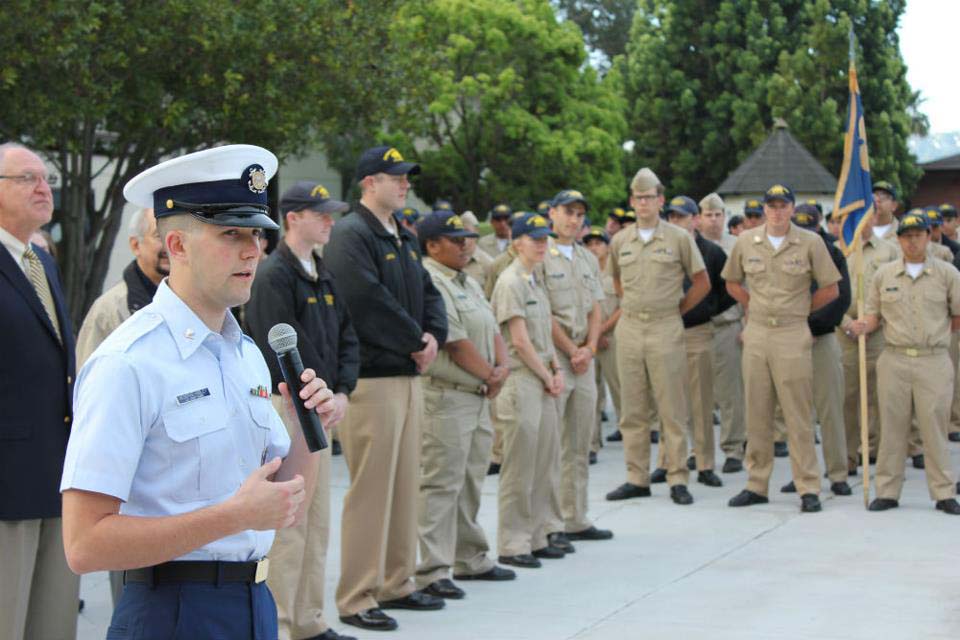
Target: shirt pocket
260, 411
630, 268
203, 463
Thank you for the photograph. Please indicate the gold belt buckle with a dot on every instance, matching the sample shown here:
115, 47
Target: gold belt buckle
643, 315
773, 322
263, 570
913, 353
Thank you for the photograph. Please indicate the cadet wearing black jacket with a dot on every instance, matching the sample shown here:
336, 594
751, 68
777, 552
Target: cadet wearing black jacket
827, 365
294, 286
400, 321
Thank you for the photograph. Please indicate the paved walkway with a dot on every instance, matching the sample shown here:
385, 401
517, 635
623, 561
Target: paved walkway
701, 571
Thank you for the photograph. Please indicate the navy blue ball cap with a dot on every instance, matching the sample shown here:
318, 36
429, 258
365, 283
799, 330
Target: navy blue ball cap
779, 192
569, 196
753, 207
913, 219
501, 212
306, 194
543, 207
443, 205
442, 223
384, 159
596, 233
883, 185
409, 214
533, 225
947, 210
934, 219
684, 205
806, 216
225, 186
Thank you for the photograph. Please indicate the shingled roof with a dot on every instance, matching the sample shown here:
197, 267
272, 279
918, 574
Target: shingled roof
950, 163
780, 159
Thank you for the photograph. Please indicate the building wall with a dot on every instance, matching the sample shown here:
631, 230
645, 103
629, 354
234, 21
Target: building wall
735, 203
937, 187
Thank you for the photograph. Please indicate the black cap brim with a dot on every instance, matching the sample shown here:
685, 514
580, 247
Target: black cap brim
558, 203
403, 168
239, 218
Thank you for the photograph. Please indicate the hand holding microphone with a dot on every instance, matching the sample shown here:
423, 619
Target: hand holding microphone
283, 340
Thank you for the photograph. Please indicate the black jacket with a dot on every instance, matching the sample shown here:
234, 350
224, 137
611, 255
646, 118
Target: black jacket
825, 319
950, 244
390, 295
283, 292
718, 300
140, 290
36, 393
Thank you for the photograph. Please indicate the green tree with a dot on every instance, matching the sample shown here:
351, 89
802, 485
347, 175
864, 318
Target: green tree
107, 88
504, 108
605, 23
705, 81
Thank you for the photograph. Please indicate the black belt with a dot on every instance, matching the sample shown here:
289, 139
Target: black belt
200, 571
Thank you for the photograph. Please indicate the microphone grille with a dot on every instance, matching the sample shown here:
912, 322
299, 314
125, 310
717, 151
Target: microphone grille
282, 337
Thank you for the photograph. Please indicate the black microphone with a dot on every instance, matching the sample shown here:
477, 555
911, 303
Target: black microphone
283, 339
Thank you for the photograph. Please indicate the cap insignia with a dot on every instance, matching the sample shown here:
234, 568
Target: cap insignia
320, 191
393, 155
257, 181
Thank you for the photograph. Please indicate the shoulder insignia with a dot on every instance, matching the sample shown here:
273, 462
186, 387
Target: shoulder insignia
328, 298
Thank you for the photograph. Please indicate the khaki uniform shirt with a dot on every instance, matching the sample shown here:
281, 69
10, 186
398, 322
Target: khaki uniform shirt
478, 266
469, 317
107, 313
651, 273
938, 250
734, 313
573, 285
876, 253
521, 294
610, 302
499, 263
490, 243
915, 313
779, 280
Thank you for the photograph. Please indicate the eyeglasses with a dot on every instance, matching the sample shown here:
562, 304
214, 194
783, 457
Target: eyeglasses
645, 199
32, 179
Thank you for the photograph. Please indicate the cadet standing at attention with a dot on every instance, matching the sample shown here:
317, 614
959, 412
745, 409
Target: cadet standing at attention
498, 241
573, 286
480, 261
648, 262
918, 299
778, 262
526, 408
178, 469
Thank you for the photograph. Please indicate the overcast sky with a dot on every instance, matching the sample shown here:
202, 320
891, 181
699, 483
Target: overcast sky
928, 40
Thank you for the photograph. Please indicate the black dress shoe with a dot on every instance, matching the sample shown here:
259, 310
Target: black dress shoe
627, 490
592, 458
524, 560
882, 504
716, 419
335, 450
616, 436
549, 552
493, 469
780, 450
560, 540
416, 601
658, 476
591, 533
732, 465
496, 574
788, 488
747, 498
444, 588
330, 634
680, 495
841, 488
709, 478
918, 462
370, 619
692, 463
654, 437
603, 416
851, 473
810, 503
954, 436
949, 505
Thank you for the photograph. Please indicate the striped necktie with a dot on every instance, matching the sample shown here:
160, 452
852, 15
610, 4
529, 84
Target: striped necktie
38, 278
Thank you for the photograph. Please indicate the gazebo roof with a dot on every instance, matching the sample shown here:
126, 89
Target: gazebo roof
779, 159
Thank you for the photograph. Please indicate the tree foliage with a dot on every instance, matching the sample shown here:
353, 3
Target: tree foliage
503, 107
705, 80
605, 23
133, 81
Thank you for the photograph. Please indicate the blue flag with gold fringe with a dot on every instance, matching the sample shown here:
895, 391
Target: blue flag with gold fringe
853, 202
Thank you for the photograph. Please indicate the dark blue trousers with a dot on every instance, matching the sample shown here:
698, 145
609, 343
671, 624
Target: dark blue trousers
189, 611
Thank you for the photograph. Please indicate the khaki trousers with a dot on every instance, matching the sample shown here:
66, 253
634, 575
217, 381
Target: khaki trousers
828, 389
851, 393
298, 557
921, 386
778, 366
528, 504
496, 451
728, 388
955, 404
456, 451
576, 408
699, 341
39, 594
649, 366
381, 446
596, 438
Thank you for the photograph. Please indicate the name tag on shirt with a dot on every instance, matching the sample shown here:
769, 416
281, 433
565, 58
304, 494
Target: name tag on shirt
193, 395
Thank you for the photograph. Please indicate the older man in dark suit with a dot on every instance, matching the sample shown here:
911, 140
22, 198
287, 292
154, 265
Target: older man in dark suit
38, 593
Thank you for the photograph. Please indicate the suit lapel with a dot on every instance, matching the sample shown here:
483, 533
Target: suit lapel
18, 279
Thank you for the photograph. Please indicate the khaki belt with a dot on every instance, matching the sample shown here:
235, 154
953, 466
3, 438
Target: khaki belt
775, 321
647, 316
200, 571
480, 390
916, 352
